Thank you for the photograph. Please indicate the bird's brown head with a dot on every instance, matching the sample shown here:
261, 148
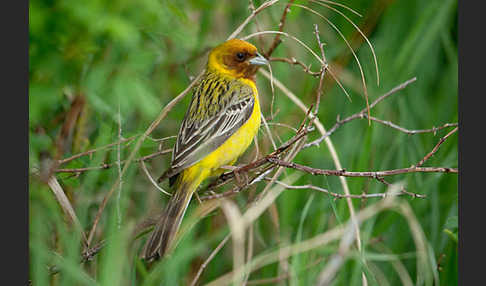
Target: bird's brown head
235, 58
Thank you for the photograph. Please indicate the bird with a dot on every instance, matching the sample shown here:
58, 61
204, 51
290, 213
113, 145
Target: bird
219, 125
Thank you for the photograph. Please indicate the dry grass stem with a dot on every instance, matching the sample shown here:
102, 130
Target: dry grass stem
137, 146
151, 179
334, 264
341, 5
306, 245
350, 48
359, 31
307, 48
118, 164
341, 196
210, 257
237, 226
329, 144
66, 205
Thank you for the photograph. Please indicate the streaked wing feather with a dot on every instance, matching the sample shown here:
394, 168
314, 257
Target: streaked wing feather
198, 138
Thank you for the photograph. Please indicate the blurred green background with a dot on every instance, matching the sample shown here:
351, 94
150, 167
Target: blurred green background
120, 61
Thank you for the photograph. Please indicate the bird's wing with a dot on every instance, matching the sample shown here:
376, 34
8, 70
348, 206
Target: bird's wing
216, 112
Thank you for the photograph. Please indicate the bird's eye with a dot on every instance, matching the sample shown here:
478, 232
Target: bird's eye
240, 56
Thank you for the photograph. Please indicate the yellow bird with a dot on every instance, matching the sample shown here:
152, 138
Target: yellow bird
219, 125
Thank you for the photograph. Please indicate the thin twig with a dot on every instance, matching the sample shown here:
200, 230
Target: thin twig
66, 205
105, 166
89, 152
409, 131
402, 189
360, 32
277, 40
330, 146
360, 114
210, 257
89, 253
363, 81
294, 61
118, 163
250, 17
137, 146
370, 174
144, 169
352, 196
255, 164
323, 69
436, 147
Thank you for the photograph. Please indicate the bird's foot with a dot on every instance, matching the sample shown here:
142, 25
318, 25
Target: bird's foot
241, 177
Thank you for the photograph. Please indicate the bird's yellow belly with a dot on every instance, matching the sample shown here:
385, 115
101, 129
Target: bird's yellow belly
229, 151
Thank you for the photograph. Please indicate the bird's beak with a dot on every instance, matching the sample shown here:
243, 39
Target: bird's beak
259, 60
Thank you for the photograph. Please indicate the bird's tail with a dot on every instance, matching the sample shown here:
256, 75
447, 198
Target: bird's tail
163, 235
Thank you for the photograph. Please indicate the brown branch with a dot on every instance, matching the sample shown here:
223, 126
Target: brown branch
273, 158
51, 162
67, 128
90, 252
402, 190
323, 69
374, 174
294, 61
255, 164
238, 188
412, 132
251, 16
252, 8
436, 147
277, 40
360, 114
235, 190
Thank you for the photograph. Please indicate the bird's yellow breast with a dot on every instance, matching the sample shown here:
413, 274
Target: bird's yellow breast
231, 149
